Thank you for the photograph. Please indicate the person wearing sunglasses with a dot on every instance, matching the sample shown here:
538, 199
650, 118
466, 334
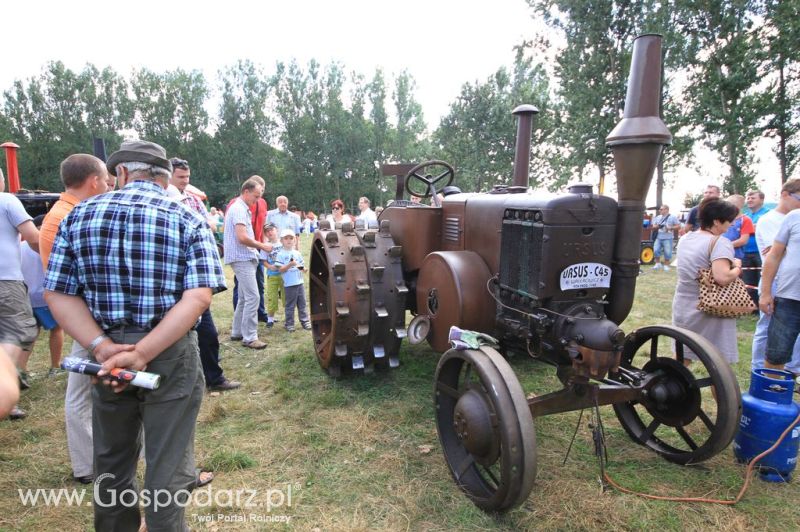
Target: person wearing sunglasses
207, 335
337, 215
766, 231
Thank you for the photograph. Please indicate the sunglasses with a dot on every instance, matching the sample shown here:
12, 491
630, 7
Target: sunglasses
337, 208
179, 163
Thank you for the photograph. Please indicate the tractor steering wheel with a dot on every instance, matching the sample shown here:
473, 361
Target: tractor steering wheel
429, 180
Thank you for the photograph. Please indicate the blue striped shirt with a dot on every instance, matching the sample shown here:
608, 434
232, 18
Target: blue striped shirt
238, 214
131, 254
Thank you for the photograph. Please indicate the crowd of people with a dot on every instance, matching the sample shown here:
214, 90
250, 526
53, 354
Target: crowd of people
735, 244
130, 278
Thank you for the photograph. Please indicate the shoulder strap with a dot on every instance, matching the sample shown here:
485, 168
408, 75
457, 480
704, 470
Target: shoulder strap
711, 247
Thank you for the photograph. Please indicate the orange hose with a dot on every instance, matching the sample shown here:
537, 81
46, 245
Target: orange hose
731, 502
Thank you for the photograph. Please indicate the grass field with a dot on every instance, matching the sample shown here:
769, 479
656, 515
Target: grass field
362, 453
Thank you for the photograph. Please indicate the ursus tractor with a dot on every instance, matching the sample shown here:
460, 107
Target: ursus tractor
552, 276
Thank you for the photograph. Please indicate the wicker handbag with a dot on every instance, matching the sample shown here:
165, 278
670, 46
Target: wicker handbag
729, 301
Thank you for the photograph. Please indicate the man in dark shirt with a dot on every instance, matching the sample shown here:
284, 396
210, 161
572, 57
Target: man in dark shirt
129, 276
711, 191
207, 335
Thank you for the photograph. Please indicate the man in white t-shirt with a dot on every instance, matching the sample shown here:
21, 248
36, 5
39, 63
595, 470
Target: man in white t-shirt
367, 214
768, 226
17, 325
783, 262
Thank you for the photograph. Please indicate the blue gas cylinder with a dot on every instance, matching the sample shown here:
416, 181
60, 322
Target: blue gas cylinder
766, 412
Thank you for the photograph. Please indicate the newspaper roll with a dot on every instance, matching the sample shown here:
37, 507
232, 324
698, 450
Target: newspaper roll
142, 379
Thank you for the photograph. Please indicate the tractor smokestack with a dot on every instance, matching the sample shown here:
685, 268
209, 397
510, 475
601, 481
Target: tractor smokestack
637, 143
11, 166
99, 148
522, 152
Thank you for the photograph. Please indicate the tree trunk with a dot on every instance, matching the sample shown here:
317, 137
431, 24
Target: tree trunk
660, 180
782, 119
602, 184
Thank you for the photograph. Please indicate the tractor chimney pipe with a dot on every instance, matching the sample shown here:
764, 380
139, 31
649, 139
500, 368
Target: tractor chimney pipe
636, 142
522, 151
11, 166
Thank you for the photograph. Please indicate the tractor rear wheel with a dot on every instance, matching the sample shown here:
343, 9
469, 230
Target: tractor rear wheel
357, 297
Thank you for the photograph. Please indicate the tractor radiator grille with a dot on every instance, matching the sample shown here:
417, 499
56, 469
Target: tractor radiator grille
521, 256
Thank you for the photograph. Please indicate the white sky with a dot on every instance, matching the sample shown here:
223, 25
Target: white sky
442, 43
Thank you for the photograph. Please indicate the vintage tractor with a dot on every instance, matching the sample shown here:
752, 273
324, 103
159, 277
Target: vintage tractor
549, 276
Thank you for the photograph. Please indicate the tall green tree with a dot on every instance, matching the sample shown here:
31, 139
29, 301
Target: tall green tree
57, 113
245, 129
722, 98
592, 70
478, 135
781, 33
169, 107
410, 129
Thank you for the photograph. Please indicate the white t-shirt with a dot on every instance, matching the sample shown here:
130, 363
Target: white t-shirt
12, 215
766, 230
368, 215
788, 278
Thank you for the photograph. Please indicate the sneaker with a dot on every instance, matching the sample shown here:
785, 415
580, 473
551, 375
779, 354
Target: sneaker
657, 266
54, 372
255, 344
270, 323
224, 386
88, 479
236, 338
24, 382
307, 325
17, 413
289, 328
666, 268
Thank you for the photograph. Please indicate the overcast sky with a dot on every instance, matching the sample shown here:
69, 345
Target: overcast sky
442, 43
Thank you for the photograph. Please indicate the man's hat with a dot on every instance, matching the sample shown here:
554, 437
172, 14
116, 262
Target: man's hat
139, 151
287, 232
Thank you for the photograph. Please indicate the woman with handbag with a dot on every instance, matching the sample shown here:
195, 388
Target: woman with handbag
707, 249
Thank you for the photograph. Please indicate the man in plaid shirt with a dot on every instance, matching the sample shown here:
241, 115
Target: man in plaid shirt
207, 335
129, 276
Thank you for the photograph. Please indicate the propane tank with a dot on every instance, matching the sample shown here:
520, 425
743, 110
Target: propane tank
766, 412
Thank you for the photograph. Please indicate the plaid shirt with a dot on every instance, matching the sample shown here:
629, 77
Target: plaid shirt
194, 203
131, 254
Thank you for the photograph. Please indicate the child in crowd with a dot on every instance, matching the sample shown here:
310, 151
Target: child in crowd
290, 264
274, 279
33, 272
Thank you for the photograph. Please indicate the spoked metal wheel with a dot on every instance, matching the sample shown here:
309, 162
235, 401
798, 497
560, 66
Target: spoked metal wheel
485, 428
687, 415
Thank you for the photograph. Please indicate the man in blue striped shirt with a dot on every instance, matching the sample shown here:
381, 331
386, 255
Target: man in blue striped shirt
129, 275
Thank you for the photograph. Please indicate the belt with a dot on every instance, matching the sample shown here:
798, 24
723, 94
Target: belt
128, 329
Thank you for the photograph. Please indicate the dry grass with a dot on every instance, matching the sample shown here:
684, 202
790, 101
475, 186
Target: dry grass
350, 450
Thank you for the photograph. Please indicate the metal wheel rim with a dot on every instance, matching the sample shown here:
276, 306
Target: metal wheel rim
649, 430
507, 485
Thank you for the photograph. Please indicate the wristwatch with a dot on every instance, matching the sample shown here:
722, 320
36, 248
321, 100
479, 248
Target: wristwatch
97, 341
